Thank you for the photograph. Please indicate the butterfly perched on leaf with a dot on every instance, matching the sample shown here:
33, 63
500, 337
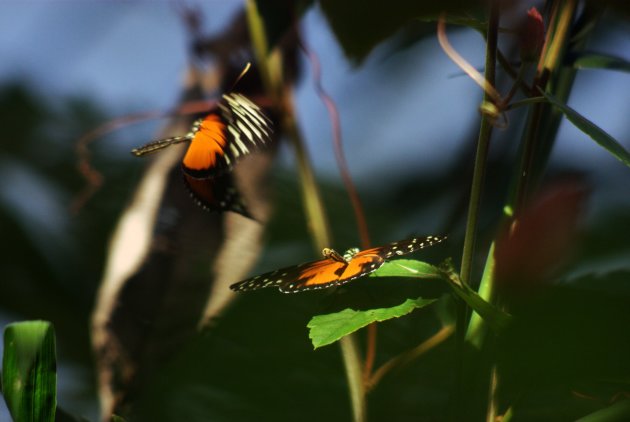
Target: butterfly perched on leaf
335, 269
232, 130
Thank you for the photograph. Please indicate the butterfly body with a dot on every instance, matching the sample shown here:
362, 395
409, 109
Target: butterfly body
334, 269
235, 128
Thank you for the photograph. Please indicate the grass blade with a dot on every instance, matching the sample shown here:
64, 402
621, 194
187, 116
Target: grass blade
592, 130
29, 369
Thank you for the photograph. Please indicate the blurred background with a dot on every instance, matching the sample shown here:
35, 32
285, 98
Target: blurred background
409, 120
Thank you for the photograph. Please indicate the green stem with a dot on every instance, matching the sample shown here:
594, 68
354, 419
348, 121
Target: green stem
354, 376
271, 72
311, 197
476, 326
549, 64
526, 101
483, 143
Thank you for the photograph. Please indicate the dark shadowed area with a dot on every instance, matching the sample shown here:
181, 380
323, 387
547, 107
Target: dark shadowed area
409, 122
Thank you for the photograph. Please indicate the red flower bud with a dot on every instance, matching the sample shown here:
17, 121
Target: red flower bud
541, 241
532, 36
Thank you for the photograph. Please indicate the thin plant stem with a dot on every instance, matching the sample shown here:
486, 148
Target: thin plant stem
271, 71
476, 326
355, 200
526, 101
483, 143
352, 364
270, 68
488, 87
550, 60
342, 163
313, 205
517, 83
406, 358
370, 352
492, 395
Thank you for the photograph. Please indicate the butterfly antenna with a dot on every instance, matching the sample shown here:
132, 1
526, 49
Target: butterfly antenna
243, 72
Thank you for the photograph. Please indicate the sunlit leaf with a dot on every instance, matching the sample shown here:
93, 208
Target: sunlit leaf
326, 329
407, 268
29, 371
592, 130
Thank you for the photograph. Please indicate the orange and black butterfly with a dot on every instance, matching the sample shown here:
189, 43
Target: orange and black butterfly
235, 128
334, 269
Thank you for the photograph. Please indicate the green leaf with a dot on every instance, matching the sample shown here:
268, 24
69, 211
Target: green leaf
326, 329
495, 318
407, 268
601, 61
29, 367
592, 130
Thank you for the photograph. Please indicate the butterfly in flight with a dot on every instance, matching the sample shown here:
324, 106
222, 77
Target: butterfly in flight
232, 130
335, 269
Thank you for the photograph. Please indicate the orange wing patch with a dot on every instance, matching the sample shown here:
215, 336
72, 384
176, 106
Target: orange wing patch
207, 146
362, 264
317, 275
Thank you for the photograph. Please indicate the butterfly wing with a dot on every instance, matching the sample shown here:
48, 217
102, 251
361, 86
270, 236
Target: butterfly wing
361, 264
328, 272
158, 145
222, 137
216, 194
247, 126
402, 247
209, 153
295, 278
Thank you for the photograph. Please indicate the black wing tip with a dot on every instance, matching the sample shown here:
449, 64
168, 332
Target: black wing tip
263, 281
240, 209
236, 287
143, 150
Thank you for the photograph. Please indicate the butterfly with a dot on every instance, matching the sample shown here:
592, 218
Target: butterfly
335, 269
232, 130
